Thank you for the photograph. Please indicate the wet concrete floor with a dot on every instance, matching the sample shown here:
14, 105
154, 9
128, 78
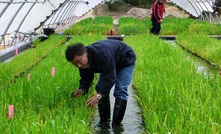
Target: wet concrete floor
131, 124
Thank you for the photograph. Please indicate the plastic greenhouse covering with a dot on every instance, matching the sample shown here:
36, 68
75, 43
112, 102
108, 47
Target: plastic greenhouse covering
200, 8
20, 18
195, 7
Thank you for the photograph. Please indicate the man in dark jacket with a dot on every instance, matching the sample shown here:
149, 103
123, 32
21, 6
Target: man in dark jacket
156, 16
115, 61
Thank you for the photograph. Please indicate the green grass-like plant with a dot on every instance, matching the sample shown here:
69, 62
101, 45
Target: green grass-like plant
202, 45
43, 104
173, 97
26, 60
132, 26
98, 25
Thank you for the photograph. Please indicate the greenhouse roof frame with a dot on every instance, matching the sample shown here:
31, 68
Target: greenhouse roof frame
19, 19
202, 9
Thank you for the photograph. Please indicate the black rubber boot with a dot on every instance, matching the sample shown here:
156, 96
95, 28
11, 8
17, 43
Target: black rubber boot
104, 109
119, 111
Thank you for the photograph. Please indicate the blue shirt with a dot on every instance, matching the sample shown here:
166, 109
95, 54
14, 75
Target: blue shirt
106, 57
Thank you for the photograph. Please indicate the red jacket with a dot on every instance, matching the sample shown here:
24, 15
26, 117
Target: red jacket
157, 11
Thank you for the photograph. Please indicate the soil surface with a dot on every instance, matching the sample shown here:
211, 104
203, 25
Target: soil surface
123, 11
2, 47
131, 11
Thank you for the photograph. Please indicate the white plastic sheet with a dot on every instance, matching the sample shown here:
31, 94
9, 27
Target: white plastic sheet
195, 7
13, 19
32, 20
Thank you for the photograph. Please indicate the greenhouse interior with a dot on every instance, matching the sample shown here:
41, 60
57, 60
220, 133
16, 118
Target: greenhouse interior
144, 66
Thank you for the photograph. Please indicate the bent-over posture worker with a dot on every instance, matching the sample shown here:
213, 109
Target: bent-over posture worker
114, 61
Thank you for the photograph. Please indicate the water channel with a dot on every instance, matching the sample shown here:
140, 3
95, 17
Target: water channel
132, 122
202, 65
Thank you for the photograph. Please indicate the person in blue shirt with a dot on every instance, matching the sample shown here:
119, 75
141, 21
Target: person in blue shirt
114, 61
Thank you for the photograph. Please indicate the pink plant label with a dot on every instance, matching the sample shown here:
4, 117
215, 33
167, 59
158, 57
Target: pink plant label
29, 76
10, 111
16, 51
53, 71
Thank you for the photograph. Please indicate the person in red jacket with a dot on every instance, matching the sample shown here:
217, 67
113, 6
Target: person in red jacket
156, 16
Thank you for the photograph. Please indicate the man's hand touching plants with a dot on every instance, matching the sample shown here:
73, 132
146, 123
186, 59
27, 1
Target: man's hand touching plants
94, 100
77, 93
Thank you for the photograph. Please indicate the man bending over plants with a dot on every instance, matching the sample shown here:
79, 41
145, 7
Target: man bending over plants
115, 61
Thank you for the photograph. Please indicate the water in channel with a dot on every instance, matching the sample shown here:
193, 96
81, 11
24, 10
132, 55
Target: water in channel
132, 122
202, 66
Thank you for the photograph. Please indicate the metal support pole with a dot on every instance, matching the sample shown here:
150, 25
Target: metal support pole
9, 24
69, 16
23, 21
5, 8
64, 14
193, 6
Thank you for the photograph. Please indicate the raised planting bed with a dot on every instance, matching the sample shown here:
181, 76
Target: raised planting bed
24, 61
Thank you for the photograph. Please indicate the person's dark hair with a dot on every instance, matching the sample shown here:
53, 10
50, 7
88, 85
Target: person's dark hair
73, 50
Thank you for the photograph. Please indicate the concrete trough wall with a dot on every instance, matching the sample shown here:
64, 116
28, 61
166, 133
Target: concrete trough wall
11, 51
